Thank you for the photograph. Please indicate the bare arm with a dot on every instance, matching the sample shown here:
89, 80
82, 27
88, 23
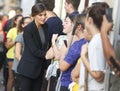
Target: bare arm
62, 63
97, 75
9, 43
18, 50
56, 51
50, 54
75, 73
55, 48
108, 48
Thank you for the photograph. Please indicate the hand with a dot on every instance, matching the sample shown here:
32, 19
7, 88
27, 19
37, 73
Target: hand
117, 72
50, 54
106, 26
84, 50
54, 38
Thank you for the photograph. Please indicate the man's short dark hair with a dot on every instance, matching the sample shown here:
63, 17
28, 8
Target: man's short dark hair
50, 4
18, 10
75, 3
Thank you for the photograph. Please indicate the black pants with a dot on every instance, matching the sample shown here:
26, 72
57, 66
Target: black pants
53, 81
5, 74
62, 88
2, 59
28, 84
16, 81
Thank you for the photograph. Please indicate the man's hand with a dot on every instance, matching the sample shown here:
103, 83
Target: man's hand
106, 26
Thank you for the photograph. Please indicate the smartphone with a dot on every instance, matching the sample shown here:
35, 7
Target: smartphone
114, 63
108, 13
65, 42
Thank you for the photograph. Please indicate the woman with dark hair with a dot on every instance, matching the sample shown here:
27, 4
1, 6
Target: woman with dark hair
92, 54
11, 35
31, 65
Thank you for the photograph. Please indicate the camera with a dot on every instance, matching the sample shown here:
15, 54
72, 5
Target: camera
108, 13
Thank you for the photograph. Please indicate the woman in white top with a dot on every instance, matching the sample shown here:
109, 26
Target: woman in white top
92, 54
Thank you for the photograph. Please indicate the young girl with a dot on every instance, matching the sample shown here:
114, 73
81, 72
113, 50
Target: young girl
67, 62
92, 54
77, 73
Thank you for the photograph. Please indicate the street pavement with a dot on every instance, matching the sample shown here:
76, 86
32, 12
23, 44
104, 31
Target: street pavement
1, 81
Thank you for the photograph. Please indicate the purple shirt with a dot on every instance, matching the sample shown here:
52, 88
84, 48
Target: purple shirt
71, 58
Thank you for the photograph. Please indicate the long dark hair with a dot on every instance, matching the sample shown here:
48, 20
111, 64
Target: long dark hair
14, 19
96, 12
75, 3
79, 20
22, 21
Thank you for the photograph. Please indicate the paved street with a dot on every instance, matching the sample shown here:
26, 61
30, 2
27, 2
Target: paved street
1, 82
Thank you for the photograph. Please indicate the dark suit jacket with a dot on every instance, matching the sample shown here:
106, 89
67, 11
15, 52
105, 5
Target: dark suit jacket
32, 62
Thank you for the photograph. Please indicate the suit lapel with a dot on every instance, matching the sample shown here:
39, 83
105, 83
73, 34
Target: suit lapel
36, 34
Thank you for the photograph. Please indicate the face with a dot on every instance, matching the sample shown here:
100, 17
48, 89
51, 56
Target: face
67, 25
87, 34
66, 7
87, 24
18, 19
26, 22
40, 18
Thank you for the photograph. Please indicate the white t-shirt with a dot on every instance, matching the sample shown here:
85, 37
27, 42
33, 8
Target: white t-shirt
97, 62
52, 69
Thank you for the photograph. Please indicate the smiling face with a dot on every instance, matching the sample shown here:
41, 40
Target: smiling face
67, 25
40, 18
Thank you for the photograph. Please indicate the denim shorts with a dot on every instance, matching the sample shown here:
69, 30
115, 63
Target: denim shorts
9, 60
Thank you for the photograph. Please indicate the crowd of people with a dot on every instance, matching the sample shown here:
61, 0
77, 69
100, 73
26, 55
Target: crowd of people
40, 52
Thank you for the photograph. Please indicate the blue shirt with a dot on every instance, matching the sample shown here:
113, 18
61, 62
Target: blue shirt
74, 13
71, 58
54, 26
